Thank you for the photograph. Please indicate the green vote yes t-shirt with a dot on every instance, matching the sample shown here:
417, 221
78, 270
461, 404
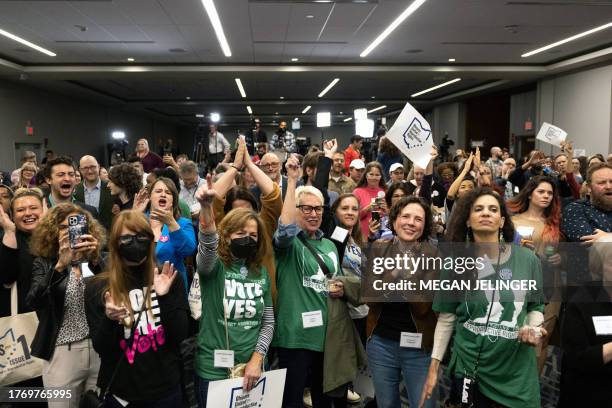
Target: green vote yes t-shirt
302, 287
507, 371
246, 296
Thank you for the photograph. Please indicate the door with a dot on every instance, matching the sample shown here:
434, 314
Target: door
20, 148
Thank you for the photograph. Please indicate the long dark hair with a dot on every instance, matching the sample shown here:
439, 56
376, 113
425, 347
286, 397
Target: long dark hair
398, 185
520, 203
364, 178
458, 229
356, 231
401, 204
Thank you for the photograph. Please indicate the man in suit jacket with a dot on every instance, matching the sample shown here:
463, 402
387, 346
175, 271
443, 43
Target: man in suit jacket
93, 191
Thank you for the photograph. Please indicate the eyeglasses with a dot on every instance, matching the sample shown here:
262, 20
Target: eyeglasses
88, 168
270, 165
308, 209
129, 239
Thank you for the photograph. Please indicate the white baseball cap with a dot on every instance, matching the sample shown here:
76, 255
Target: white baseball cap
357, 164
395, 166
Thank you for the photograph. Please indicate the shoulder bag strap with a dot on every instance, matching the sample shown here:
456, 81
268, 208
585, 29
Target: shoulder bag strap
322, 264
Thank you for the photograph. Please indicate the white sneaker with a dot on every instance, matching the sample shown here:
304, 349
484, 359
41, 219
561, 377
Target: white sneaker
352, 397
307, 398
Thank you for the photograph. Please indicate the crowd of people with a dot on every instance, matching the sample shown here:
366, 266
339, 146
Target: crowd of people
275, 246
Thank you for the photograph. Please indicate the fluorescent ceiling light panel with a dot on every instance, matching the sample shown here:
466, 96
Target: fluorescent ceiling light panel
27, 43
306, 109
433, 88
328, 87
211, 10
249, 110
361, 113
566, 40
399, 20
347, 119
323, 119
377, 109
240, 87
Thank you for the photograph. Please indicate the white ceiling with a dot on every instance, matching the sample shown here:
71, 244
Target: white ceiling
487, 38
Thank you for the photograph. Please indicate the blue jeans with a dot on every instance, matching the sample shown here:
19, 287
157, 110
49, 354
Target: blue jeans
388, 362
201, 390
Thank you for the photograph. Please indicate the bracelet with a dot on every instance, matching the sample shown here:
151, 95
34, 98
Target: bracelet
234, 166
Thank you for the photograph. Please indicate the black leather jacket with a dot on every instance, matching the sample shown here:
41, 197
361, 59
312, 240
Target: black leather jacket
47, 295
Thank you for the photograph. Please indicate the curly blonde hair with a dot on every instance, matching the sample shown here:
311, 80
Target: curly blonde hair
234, 221
45, 238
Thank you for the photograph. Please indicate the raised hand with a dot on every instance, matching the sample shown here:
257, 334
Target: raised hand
206, 193
330, 147
162, 281
477, 158
65, 252
240, 152
141, 200
5, 221
163, 216
293, 167
87, 247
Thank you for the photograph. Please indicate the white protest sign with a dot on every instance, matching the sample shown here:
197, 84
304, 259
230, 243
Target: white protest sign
267, 393
579, 152
412, 135
551, 134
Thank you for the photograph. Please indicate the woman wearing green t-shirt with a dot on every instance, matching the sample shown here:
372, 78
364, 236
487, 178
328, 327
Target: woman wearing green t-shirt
232, 279
492, 353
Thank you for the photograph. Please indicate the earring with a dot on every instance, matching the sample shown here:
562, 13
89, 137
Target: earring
502, 241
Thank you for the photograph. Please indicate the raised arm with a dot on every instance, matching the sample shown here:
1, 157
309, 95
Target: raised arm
293, 172
226, 181
454, 188
265, 183
207, 248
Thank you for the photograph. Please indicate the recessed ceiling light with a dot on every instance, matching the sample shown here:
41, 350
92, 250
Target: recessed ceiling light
130, 60
188, 97
433, 88
347, 119
373, 97
27, 43
211, 10
306, 109
309, 16
451, 60
328, 87
294, 60
377, 109
566, 40
341, 113
282, 97
276, 113
240, 87
399, 20
249, 110
199, 115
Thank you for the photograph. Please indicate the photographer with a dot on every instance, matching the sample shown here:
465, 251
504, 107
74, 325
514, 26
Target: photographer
254, 136
284, 139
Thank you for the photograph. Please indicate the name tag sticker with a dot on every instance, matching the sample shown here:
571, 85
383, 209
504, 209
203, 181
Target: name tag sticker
312, 319
525, 231
224, 358
339, 234
603, 325
412, 340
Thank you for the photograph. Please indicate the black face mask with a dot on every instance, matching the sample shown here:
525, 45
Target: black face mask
243, 248
136, 251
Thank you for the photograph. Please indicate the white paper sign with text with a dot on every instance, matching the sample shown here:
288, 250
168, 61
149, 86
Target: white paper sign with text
412, 135
551, 134
267, 393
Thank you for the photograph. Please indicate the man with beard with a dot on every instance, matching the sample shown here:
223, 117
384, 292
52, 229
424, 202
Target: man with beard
60, 175
589, 220
338, 182
271, 165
